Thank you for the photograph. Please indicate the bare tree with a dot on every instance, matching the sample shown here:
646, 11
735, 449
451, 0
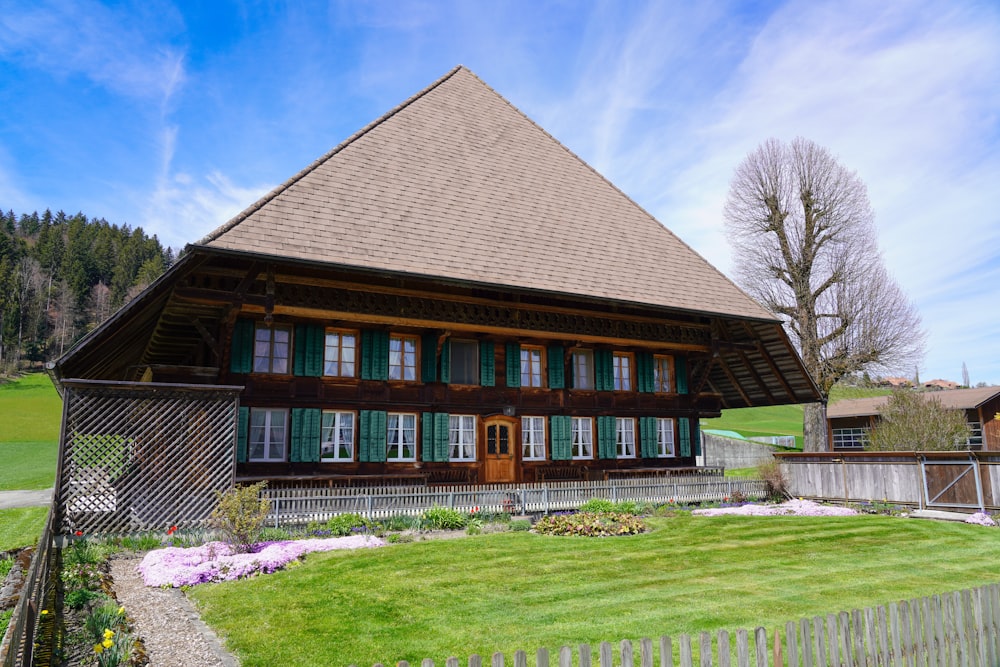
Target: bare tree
805, 246
965, 375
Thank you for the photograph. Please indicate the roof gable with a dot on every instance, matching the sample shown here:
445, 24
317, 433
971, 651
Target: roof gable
456, 183
954, 399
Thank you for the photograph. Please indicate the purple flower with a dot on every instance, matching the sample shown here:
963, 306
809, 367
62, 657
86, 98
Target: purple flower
216, 561
981, 519
791, 507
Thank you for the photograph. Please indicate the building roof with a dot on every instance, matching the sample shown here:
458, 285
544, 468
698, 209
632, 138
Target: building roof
457, 183
955, 399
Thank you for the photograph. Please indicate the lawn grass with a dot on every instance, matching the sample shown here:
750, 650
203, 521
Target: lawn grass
779, 419
30, 412
20, 527
512, 591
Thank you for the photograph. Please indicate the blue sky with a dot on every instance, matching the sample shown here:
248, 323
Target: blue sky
176, 116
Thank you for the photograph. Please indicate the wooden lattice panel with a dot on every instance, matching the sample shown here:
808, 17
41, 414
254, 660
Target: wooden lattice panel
140, 456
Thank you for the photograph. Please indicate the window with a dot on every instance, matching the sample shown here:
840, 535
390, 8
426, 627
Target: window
464, 362
401, 437
850, 438
531, 366
583, 438
625, 428
268, 431
337, 436
622, 371
583, 369
533, 438
462, 438
270, 349
975, 439
665, 438
662, 373
403, 358
338, 354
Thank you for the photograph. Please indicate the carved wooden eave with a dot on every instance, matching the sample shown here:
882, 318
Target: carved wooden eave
184, 319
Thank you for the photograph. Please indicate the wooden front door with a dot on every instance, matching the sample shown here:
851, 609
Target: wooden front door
501, 436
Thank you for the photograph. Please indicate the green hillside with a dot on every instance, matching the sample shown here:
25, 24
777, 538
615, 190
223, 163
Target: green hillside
30, 412
780, 419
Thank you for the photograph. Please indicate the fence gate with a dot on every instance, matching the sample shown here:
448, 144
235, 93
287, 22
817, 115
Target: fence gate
135, 456
953, 483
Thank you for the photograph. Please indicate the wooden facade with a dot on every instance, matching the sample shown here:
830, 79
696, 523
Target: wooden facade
451, 296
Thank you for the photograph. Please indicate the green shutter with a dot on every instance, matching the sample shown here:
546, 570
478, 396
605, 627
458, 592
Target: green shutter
446, 362
441, 436
487, 364
513, 364
372, 441
561, 437
308, 346
644, 371
242, 434
684, 427
295, 455
681, 370
374, 355
607, 445
427, 436
311, 433
241, 353
604, 371
647, 437
557, 367
428, 357
696, 437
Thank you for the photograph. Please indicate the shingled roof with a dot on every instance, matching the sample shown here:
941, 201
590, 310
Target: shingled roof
954, 399
456, 183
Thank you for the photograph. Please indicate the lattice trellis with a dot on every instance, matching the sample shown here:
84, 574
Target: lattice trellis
137, 456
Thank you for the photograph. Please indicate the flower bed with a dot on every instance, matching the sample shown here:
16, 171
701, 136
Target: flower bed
217, 561
791, 507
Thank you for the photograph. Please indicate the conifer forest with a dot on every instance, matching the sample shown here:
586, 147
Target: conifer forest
61, 276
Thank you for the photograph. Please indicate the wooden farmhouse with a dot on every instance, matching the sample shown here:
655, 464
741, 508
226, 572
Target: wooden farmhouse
450, 295
851, 420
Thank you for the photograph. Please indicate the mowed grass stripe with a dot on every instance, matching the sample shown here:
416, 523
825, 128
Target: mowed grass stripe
523, 591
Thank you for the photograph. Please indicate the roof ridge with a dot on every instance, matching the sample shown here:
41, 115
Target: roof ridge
257, 205
652, 218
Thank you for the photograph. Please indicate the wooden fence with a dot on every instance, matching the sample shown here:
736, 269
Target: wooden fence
291, 506
950, 630
28, 626
960, 480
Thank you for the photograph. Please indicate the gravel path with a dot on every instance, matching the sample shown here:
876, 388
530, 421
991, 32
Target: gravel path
174, 634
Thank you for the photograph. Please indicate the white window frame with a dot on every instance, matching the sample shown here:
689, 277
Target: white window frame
583, 369
850, 438
583, 438
471, 348
266, 357
531, 367
461, 437
625, 437
533, 438
399, 435
274, 448
332, 429
666, 438
403, 359
335, 351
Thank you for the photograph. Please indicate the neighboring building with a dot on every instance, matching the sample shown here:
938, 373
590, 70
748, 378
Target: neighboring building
941, 384
895, 383
851, 420
451, 295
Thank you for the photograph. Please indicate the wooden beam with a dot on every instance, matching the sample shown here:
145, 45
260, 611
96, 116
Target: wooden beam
769, 360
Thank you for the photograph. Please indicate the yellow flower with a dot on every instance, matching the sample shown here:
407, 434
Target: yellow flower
107, 643
44, 612
121, 610
98, 649
108, 634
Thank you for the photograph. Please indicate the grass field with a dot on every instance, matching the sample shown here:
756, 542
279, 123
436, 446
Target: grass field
20, 527
30, 411
514, 591
781, 419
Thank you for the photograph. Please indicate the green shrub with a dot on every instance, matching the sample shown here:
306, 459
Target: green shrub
6, 564
627, 507
443, 518
473, 526
400, 522
520, 525
84, 552
587, 524
397, 538
80, 598
345, 524
597, 505
240, 515
275, 535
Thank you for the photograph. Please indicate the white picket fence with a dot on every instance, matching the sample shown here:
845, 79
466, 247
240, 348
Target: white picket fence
296, 506
960, 629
